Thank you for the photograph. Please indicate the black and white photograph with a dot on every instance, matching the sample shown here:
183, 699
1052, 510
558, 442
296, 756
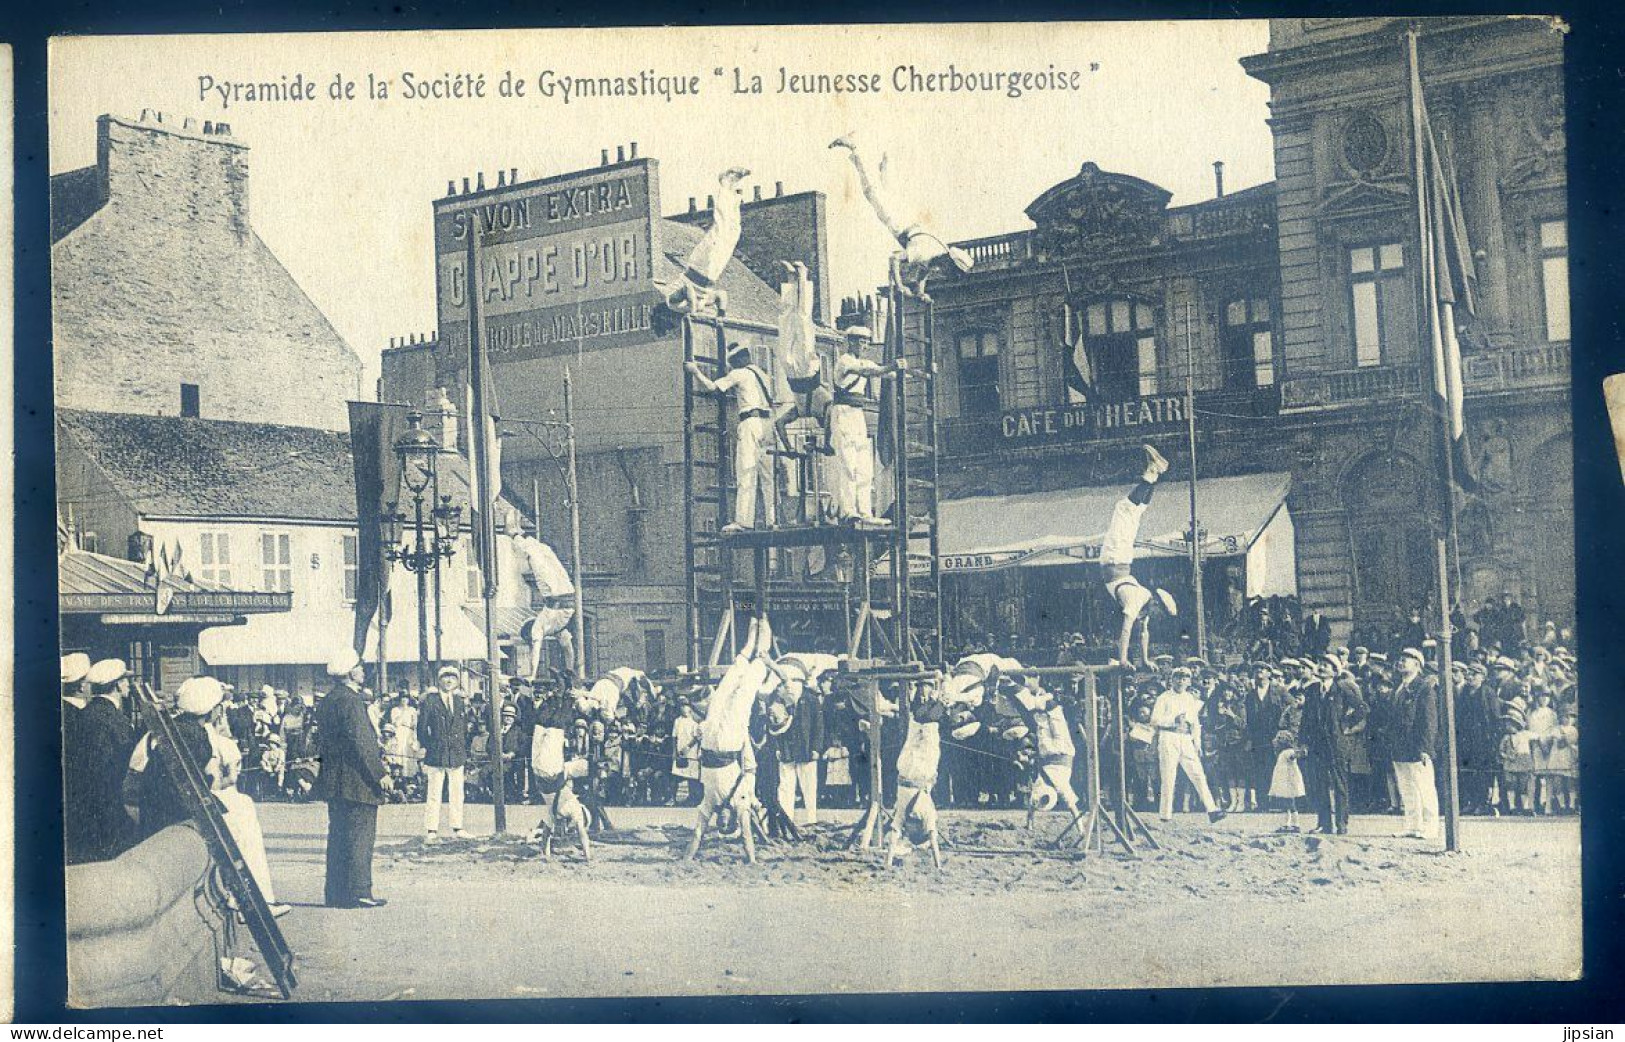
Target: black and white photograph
815, 510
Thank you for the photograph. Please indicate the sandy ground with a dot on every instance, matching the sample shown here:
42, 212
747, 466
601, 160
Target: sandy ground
1231, 904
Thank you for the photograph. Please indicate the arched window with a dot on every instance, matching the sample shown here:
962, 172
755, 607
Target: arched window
1387, 503
1110, 351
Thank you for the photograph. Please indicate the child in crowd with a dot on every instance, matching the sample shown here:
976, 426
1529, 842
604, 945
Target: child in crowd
1517, 765
1286, 781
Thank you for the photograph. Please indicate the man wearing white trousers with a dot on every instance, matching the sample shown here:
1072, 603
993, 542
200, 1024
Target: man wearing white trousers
849, 428
753, 464
800, 744
1177, 717
443, 733
1416, 712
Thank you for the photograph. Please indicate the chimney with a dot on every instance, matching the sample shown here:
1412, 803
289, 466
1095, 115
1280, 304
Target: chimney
757, 196
502, 178
603, 157
513, 175
479, 181
692, 205
778, 189
634, 150
620, 153
465, 186
710, 202
451, 186
1218, 179
448, 420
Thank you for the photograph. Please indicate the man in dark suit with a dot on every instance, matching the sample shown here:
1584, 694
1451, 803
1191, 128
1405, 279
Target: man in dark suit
443, 733
97, 827
801, 744
1264, 699
352, 782
1334, 717
1416, 731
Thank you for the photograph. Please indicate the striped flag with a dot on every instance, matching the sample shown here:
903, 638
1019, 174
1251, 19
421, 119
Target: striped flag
484, 448
1447, 278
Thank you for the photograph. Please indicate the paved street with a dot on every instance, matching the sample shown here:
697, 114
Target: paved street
1234, 904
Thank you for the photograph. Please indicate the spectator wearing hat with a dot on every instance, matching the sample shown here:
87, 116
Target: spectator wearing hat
1517, 760
96, 826
1415, 734
353, 783
798, 747
1176, 716
74, 668
443, 733
1333, 709
202, 699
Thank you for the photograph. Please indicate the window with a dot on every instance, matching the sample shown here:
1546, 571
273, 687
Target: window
214, 557
1248, 345
978, 374
352, 567
189, 400
1384, 320
276, 562
1117, 357
90, 542
1554, 278
654, 651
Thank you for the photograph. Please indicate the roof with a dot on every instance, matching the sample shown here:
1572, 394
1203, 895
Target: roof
89, 583
171, 466
1065, 526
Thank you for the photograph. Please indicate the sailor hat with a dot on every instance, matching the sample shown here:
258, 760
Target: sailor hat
75, 667
199, 695
107, 671
343, 662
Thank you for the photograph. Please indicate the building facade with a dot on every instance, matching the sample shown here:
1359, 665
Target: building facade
166, 302
1295, 310
573, 266
1353, 369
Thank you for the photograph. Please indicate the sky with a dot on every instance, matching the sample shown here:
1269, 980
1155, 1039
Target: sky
341, 190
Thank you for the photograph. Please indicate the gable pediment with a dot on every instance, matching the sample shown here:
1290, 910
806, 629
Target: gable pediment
1364, 197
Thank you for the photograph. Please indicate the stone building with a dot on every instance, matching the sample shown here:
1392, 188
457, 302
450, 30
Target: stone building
1362, 445
577, 257
166, 302
1298, 305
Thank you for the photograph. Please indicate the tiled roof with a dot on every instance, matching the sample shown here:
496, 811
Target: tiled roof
169, 466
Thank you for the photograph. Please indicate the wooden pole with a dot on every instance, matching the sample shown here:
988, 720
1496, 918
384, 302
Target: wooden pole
1196, 532
575, 527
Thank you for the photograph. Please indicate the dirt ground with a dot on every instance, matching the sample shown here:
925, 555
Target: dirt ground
1229, 904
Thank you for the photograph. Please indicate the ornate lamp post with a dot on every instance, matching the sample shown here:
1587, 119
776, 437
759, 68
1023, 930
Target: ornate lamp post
418, 452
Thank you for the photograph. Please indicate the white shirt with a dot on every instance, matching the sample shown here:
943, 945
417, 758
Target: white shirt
1174, 706
747, 389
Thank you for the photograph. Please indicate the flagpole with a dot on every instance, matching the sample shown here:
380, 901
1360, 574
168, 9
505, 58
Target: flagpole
1196, 535
1435, 336
485, 498
575, 527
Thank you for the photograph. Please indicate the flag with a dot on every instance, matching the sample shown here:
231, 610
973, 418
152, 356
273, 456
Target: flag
484, 452
374, 426
1077, 370
1447, 277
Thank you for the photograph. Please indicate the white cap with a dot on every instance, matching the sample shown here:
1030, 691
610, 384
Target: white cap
107, 671
448, 668
74, 667
856, 332
198, 695
343, 662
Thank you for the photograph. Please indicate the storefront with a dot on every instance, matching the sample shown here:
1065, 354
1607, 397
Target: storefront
1027, 565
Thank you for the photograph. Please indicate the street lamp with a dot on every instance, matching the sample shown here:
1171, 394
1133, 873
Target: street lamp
419, 452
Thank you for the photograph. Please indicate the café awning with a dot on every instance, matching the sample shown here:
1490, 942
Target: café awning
1065, 526
121, 591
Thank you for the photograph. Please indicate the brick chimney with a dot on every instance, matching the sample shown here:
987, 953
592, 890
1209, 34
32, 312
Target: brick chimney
165, 168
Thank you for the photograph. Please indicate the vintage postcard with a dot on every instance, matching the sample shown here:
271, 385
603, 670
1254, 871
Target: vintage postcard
815, 509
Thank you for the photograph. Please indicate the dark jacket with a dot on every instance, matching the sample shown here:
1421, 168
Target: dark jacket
1416, 719
96, 826
1263, 716
347, 746
443, 732
1332, 717
804, 740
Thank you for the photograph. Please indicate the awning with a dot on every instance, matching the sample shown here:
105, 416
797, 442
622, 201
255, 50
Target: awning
1065, 526
508, 618
311, 639
123, 591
